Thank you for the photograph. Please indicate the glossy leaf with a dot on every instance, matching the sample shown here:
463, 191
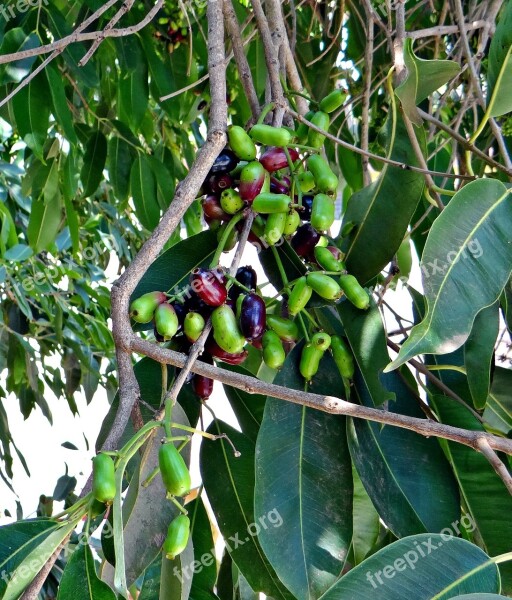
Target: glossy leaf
303, 473
484, 493
203, 570
498, 410
468, 257
381, 212
143, 190
16, 40
175, 576
80, 581
366, 521
229, 483
44, 223
94, 163
479, 353
423, 78
120, 160
499, 75
422, 567
60, 108
409, 500
133, 94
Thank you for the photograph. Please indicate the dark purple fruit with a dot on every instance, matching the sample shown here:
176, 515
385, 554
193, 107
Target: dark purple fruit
305, 239
202, 386
278, 187
252, 316
207, 286
247, 277
225, 162
213, 210
307, 205
217, 183
194, 303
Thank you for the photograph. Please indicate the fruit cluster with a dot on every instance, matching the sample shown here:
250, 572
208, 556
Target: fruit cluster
291, 189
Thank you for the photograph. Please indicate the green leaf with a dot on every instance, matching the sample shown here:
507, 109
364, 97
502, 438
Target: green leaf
466, 263
408, 499
61, 109
423, 78
478, 597
33, 561
248, 408
44, 223
18, 253
366, 521
133, 95
382, 211
479, 353
172, 269
143, 189
423, 567
367, 338
80, 581
17, 541
229, 483
95, 157
174, 580
32, 113
16, 40
498, 410
499, 74
203, 571
485, 496
120, 161
304, 474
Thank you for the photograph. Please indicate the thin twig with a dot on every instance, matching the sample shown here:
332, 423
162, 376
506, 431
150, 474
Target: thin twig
440, 30
242, 63
496, 463
389, 161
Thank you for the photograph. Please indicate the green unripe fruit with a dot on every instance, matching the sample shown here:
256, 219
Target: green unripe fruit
241, 143
225, 330
326, 287
321, 340
270, 136
274, 228
231, 201
303, 129
322, 212
326, 260
355, 292
333, 101
142, 309
306, 181
96, 508
321, 120
193, 326
166, 320
273, 351
299, 297
310, 361
342, 357
268, 203
103, 478
177, 537
326, 180
292, 222
174, 471
286, 330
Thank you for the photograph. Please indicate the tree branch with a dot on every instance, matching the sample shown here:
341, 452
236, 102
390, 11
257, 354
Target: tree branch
328, 404
485, 448
440, 30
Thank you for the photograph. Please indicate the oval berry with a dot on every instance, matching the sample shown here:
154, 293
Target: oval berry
252, 178
241, 143
324, 285
213, 210
225, 162
299, 296
143, 308
208, 287
174, 471
285, 329
231, 201
273, 351
177, 537
275, 159
321, 120
292, 222
252, 316
355, 292
193, 326
225, 330
103, 478
247, 277
342, 357
267, 203
326, 181
305, 239
166, 321
270, 136
274, 228
322, 213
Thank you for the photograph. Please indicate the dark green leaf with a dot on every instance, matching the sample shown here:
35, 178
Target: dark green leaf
44, 223
61, 109
304, 476
467, 257
479, 352
382, 211
94, 163
143, 189
499, 74
422, 567
133, 95
79, 580
120, 160
204, 569
498, 410
16, 40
